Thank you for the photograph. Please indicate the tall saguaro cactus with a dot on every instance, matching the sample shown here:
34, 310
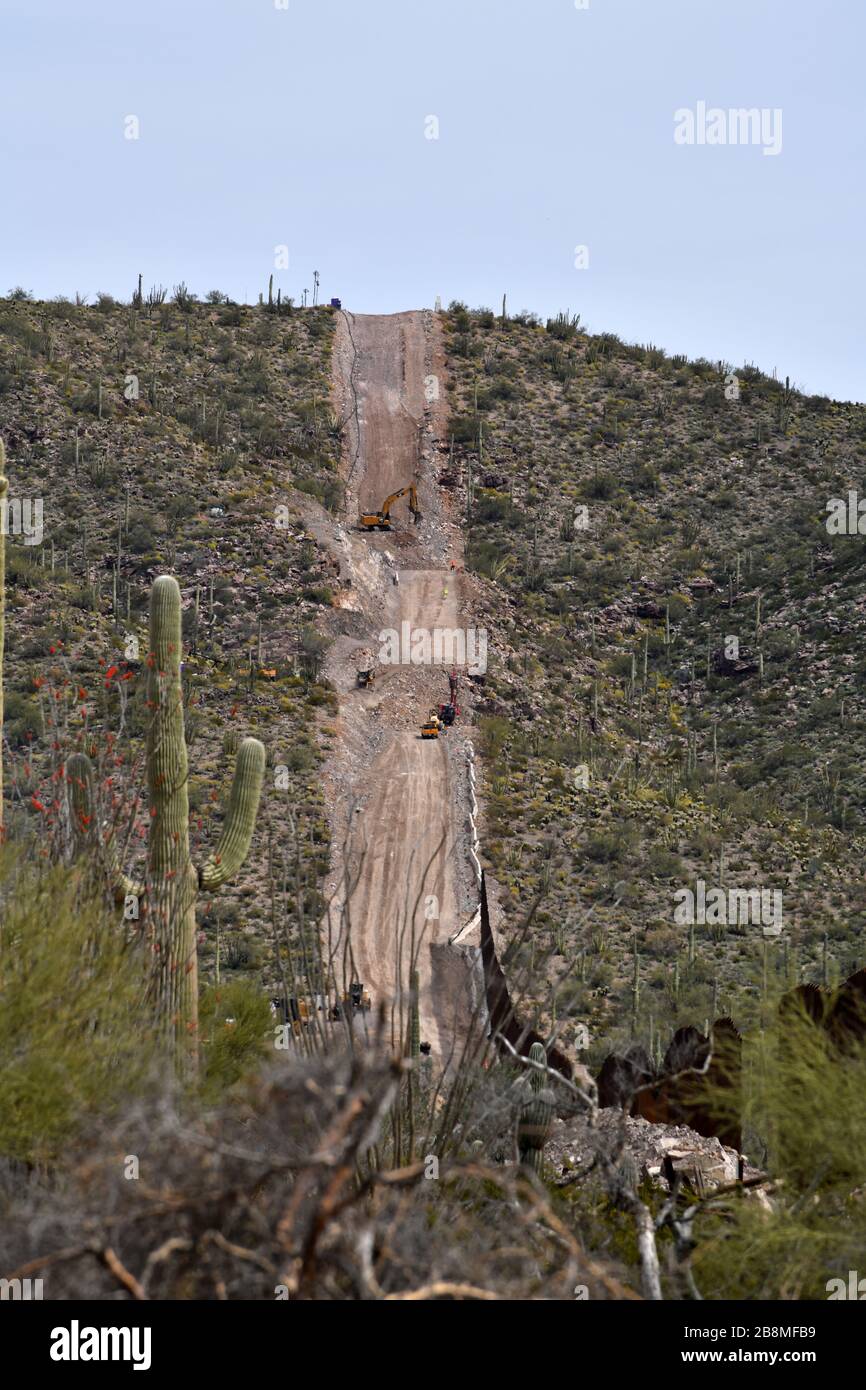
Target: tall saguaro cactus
3, 490
173, 881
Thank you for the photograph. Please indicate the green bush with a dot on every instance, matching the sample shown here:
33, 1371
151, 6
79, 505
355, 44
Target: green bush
236, 1030
806, 1125
75, 1033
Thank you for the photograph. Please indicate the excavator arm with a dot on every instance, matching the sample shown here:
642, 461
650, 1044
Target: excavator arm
413, 502
382, 518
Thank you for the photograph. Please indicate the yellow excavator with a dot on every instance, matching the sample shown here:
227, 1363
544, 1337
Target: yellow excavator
381, 520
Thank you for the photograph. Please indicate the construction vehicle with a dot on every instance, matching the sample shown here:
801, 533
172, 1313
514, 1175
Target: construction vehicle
262, 673
430, 728
381, 520
448, 713
366, 666
358, 998
355, 1000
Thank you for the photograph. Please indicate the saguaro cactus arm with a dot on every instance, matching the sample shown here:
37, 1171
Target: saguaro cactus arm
240, 820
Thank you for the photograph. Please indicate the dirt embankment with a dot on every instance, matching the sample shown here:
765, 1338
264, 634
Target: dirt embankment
402, 881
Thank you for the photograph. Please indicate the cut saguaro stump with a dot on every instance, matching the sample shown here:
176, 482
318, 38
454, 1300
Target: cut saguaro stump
698, 1083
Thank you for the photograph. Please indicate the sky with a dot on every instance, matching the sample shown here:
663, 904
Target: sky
409, 149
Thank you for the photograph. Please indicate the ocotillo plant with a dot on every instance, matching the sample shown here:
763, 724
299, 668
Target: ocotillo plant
173, 881
536, 1116
3, 488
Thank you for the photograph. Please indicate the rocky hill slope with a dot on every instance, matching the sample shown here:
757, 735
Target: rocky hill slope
197, 438
676, 691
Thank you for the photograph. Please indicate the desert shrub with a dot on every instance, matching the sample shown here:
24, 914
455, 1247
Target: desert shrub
21, 719
75, 1034
236, 1028
464, 429
320, 594
599, 487
806, 1125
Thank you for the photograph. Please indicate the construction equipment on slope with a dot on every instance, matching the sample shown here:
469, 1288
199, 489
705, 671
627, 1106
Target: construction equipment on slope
366, 666
448, 713
381, 520
430, 727
358, 997
355, 1000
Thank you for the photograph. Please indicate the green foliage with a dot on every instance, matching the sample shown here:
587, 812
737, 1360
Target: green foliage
806, 1124
490, 505
75, 1034
237, 1034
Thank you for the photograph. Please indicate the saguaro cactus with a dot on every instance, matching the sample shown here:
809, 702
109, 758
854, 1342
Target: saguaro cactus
173, 881
536, 1116
3, 489
415, 1016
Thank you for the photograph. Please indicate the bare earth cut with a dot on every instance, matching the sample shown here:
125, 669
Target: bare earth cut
401, 882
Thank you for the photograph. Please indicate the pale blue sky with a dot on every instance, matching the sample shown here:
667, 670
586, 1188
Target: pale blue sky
306, 126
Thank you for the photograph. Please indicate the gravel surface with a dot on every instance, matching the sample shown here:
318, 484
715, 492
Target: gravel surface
402, 881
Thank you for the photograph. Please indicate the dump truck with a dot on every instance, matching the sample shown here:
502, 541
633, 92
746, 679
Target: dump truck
430, 727
381, 520
366, 666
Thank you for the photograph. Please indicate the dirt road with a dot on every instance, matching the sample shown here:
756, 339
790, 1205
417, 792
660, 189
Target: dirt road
401, 880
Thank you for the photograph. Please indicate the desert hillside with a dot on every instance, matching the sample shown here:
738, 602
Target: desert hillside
431, 929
